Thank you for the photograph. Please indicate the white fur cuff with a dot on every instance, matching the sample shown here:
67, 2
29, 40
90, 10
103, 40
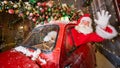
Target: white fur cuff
105, 34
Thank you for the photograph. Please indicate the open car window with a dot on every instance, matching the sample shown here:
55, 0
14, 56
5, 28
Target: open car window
42, 37
69, 42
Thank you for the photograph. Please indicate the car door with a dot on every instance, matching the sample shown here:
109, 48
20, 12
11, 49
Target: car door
75, 57
68, 48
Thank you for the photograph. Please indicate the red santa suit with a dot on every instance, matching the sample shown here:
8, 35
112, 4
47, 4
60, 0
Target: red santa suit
82, 36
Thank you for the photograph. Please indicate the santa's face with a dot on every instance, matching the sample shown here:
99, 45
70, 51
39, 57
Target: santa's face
85, 23
84, 27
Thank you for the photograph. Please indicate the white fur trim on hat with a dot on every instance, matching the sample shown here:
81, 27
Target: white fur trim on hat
105, 34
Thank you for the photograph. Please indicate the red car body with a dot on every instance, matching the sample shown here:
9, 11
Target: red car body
58, 57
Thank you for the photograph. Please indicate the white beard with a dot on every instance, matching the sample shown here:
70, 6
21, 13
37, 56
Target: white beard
84, 29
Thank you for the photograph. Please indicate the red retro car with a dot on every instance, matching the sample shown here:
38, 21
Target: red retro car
38, 50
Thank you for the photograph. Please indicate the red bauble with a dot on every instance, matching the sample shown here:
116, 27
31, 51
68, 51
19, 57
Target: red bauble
11, 11
44, 4
34, 19
42, 10
39, 4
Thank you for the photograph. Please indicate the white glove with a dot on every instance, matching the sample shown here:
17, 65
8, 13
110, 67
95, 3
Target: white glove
103, 19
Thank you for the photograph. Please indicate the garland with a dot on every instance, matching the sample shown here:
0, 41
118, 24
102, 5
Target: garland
40, 12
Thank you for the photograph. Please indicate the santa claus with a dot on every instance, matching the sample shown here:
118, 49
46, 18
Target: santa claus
83, 31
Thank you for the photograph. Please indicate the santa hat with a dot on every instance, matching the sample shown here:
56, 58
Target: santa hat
84, 17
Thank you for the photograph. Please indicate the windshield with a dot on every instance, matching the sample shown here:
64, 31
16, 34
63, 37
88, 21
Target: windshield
42, 37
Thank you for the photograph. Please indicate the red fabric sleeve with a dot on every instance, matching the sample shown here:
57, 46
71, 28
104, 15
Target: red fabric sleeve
80, 38
93, 37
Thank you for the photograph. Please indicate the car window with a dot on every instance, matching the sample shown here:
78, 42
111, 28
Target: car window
69, 42
43, 37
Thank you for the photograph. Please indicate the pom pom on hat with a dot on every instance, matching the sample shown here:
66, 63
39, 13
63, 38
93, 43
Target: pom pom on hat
84, 17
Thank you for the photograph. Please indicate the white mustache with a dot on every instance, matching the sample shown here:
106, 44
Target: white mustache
85, 29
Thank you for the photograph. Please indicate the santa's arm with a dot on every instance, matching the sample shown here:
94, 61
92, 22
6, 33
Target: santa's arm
108, 33
103, 28
101, 34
